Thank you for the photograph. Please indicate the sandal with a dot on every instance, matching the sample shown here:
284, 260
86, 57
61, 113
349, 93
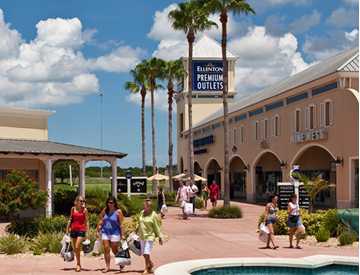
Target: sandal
298, 247
78, 268
276, 247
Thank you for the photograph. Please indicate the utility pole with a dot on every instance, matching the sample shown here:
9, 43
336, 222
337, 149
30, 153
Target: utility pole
101, 129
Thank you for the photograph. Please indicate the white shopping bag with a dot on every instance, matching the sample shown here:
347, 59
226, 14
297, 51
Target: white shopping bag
188, 208
64, 244
134, 243
264, 232
164, 209
97, 247
123, 256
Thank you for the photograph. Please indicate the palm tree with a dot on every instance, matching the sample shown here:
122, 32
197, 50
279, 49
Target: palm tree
153, 69
174, 72
223, 7
139, 84
191, 18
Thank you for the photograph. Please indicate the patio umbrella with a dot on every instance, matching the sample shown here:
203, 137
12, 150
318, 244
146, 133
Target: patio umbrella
179, 177
196, 178
158, 177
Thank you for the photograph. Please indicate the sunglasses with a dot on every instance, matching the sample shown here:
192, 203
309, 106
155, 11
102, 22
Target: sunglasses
82, 201
110, 202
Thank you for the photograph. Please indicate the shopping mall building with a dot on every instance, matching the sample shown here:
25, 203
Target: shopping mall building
309, 119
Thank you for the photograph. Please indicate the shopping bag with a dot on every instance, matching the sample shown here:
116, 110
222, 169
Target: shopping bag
134, 243
97, 247
188, 208
123, 256
301, 233
86, 246
264, 232
64, 244
164, 209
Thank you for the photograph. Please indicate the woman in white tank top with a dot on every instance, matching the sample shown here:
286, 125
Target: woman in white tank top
294, 222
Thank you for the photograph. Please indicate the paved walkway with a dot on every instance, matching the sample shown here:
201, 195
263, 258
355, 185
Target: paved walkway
196, 238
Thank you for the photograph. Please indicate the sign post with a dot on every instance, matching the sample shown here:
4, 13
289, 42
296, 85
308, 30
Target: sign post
128, 179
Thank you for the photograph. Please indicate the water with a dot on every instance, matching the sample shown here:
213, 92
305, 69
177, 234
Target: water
259, 270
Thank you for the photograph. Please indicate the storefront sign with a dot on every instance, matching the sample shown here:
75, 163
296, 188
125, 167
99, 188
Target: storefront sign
137, 185
310, 135
207, 75
286, 189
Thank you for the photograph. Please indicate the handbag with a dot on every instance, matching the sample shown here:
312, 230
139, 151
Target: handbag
123, 256
264, 232
134, 243
188, 208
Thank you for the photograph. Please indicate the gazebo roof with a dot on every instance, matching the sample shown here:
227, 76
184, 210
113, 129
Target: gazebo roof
51, 148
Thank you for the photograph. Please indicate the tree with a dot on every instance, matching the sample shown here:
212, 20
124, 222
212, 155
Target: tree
312, 186
19, 192
153, 69
61, 169
139, 84
223, 7
191, 18
174, 72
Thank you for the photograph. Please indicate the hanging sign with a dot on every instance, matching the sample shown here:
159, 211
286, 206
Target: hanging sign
207, 75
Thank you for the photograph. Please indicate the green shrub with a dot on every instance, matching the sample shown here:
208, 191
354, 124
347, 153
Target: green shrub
24, 227
53, 225
323, 234
199, 203
231, 212
64, 196
347, 237
12, 244
46, 242
331, 221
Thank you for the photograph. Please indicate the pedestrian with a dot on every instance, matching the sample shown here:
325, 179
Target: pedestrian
160, 201
109, 226
205, 194
270, 220
78, 225
214, 193
182, 197
148, 230
193, 190
294, 222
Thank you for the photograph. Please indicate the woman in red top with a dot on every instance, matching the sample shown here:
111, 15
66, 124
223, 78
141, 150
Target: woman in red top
214, 193
78, 226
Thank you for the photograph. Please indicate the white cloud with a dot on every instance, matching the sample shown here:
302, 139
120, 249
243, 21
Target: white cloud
353, 35
51, 69
342, 17
267, 57
305, 22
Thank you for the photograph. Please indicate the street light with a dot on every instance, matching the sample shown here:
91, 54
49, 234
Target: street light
101, 129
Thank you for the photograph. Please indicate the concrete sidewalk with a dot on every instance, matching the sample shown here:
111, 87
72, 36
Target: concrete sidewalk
196, 238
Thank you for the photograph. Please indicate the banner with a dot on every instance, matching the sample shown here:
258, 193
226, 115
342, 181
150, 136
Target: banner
207, 75
138, 185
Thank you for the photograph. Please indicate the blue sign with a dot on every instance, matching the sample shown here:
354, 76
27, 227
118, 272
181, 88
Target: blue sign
207, 75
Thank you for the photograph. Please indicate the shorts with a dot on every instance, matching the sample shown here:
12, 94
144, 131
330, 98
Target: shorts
270, 220
294, 221
76, 234
111, 238
146, 247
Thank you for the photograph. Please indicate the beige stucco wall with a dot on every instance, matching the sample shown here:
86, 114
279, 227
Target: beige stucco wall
23, 127
342, 141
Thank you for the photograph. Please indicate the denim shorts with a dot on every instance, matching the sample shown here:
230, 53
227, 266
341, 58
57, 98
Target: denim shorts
270, 220
76, 234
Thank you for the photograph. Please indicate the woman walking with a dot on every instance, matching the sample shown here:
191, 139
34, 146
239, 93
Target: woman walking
205, 194
294, 221
149, 230
78, 226
214, 193
182, 197
109, 226
160, 201
270, 220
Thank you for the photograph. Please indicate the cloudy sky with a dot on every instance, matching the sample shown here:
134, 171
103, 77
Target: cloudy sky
59, 55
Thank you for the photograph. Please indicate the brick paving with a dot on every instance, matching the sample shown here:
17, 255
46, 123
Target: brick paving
196, 238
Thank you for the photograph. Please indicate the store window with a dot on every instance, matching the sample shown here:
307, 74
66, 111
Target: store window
257, 130
312, 117
276, 126
242, 134
181, 118
327, 113
266, 129
297, 120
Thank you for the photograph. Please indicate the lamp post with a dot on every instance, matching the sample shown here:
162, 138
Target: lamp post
101, 129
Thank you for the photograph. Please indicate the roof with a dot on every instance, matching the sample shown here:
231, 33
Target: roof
50, 147
207, 47
345, 61
25, 112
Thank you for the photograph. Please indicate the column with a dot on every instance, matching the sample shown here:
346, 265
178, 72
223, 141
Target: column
82, 178
49, 187
114, 178
250, 184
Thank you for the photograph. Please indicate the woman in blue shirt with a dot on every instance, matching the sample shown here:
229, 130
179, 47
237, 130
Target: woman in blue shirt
109, 227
